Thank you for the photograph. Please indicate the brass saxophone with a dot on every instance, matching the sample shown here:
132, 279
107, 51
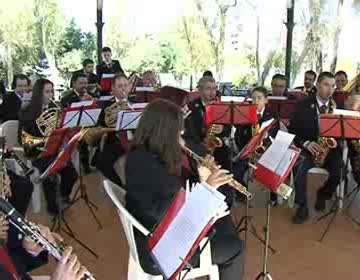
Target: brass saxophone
260, 150
212, 142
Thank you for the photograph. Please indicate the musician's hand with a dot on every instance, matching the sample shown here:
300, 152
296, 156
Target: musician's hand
219, 178
33, 247
68, 268
314, 148
204, 171
6, 186
218, 128
4, 227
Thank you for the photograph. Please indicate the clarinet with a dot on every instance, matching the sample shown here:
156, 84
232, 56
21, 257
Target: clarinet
26, 169
32, 232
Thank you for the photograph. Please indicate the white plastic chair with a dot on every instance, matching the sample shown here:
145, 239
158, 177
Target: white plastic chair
11, 131
135, 272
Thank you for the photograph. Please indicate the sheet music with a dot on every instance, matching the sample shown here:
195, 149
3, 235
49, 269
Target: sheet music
128, 120
81, 104
71, 119
346, 113
265, 124
200, 207
232, 98
147, 89
276, 152
106, 98
139, 105
89, 117
285, 162
107, 76
277, 97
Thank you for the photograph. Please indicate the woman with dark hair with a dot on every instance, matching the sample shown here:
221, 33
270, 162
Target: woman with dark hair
153, 171
40, 101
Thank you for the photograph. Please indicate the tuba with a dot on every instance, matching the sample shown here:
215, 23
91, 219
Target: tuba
111, 112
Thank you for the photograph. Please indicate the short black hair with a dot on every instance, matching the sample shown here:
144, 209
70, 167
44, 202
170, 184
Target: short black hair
20, 77
263, 90
325, 75
311, 72
116, 77
105, 49
77, 76
87, 61
208, 73
279, 77
341, 72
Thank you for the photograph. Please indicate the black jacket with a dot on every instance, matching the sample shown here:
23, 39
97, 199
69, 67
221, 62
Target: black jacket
311, 92
243, 134
305, 121
10, 107
114, 68
68, 98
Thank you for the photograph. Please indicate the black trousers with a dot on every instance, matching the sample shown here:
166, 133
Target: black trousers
227, 251
22, 189
332, 164
68, 177
105, 159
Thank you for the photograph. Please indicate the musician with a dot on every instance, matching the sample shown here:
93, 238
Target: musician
156, 155
305, 125
12, 102
244, 133
115, 144
341, 80
78, 92
41, 100
278, 85
195, 127
22, 256
149, 79
108, 66
309, 87
88, 70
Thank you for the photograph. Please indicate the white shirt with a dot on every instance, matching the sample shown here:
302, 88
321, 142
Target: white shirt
261, 113
320, 103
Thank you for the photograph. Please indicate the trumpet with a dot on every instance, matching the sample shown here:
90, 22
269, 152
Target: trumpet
233, 183
32, 232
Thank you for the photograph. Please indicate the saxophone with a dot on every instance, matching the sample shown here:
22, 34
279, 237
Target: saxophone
326, 143
260, 149
212, 142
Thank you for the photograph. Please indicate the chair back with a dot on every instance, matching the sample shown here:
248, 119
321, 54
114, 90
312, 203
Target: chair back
117, 195
11, 131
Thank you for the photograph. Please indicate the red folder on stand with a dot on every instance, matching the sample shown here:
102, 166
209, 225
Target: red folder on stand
56, 140
271, 179
339, 126
175, 229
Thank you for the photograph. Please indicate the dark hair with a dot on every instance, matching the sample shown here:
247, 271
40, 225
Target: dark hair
279, 77
77, 76
311, 72
19, 77
117, 77
341, 72
325, 75
34, 109
87, 61
263, 90
105, 49
208, 73
158, 132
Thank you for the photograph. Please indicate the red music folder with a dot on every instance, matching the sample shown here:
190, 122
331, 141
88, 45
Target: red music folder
185, 224
340, 126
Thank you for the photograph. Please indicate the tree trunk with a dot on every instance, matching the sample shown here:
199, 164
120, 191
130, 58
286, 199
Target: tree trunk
221, 43
338, 29
257, 53
189, 43
9, 61
267, 66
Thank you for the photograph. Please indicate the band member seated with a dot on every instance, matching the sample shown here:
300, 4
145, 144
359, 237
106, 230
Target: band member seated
116, 143
108, 66
88, 70
40, 101
243, 134
305, 125
309, 87
156, 155
12, 102
341, 80
20, 257
149, 79
77, 94
278, 85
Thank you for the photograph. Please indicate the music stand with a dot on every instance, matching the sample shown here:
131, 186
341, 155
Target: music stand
340, 127
144, 94
55, 141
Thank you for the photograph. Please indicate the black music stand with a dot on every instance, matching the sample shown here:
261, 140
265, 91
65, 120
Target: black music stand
342, 128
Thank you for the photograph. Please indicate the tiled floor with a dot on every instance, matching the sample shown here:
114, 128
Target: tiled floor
299, 254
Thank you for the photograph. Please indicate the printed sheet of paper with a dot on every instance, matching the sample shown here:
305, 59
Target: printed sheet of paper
106, 98
71, 119
147, 89
277, 98
285, 162
107, 76
232, 98
128, 120
138, 105
346, 113
198, 210
89, 117
81, 104
276, 152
